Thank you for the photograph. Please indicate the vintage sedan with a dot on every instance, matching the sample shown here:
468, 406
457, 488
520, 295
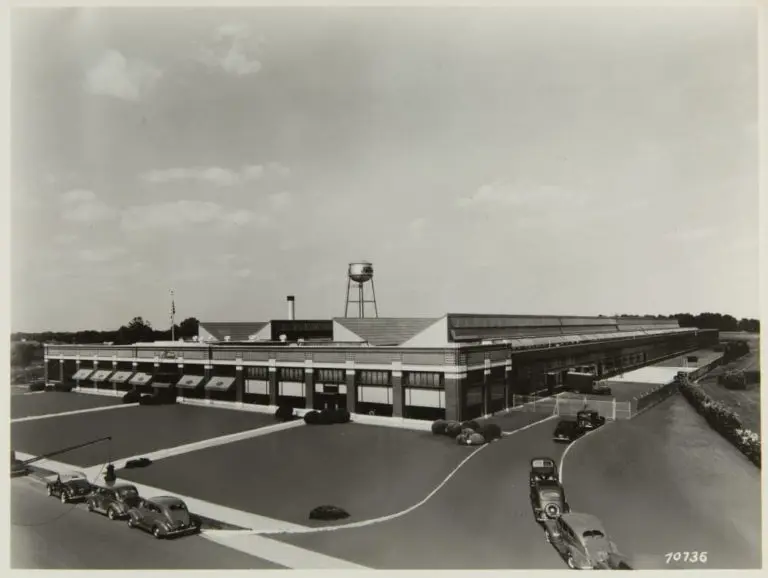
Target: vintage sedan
164, 516
567, 430
581, 540
542, 469
548, 500
589, 419
113, 500
68, 487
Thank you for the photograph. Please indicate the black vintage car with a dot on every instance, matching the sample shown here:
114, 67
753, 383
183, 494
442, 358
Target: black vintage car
542, 469
69, 487
567, 430
548, 500
589, 419
113, 500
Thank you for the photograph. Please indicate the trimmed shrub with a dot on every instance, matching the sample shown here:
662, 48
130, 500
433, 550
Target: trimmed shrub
312, 417
453, 429
471, 424
36, 386
735, 380
476, 439
328, 513
438, 427
132, 396
138, 463
490, 431
284, 413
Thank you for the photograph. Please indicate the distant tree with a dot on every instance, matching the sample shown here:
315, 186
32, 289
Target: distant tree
188, 328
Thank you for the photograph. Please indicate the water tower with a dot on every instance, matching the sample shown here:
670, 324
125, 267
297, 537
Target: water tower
360, 273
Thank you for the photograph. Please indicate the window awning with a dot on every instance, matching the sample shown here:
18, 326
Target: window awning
140, 379
190, 381
164, 381
82, 374
120, 376
101, 375
220, 383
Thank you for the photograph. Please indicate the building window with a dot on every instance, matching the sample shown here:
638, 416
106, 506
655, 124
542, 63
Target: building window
330, 375
291, 374
257, 373
373, 378
423, 379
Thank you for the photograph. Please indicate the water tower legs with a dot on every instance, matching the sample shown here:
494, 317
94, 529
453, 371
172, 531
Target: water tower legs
361, 300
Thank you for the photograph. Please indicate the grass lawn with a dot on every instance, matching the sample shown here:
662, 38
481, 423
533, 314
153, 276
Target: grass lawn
746, 403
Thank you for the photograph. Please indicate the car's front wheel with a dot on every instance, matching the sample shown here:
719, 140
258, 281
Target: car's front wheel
89, 506
131, 522
111, 514
571, 562
64, 498
49, 490
156, 532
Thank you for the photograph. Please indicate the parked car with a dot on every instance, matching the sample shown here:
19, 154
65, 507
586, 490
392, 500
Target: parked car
69, 486
601, 388
548, 500
581, 540
115, 501
542, 469
589, 419
164, 516
567, 430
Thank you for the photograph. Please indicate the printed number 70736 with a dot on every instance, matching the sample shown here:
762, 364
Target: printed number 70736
692, 557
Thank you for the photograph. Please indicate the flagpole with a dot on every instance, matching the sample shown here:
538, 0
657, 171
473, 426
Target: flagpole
173, 317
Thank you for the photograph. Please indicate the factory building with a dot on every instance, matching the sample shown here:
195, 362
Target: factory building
458, 366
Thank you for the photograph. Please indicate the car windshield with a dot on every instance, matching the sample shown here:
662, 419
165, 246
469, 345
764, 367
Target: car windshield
543, 464
127, 492
596, 534
550, 494
177, 508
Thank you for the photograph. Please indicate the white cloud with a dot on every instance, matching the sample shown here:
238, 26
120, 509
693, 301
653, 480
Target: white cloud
232, 51
181, 214
218, 176
281, 200
100, 255
504, 194
243, 273
64, 239
692, 235
89, 212
78, 196
417, 226
119, 77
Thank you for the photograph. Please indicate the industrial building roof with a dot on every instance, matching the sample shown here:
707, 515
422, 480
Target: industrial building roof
385, 330
235, 330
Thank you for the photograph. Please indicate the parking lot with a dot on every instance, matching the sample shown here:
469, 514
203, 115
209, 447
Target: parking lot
369, 471
49, 402
134, 430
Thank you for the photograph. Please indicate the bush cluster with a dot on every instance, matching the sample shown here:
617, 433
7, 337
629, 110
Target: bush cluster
725, 421
734, 379
470, 433
327, 417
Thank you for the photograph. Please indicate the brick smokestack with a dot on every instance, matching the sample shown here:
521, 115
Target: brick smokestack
291, 308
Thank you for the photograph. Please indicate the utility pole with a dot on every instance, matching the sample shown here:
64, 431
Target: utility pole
173, 317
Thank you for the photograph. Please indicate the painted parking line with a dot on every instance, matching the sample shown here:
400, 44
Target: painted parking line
210, 510
279, 552
213, 442
73, 412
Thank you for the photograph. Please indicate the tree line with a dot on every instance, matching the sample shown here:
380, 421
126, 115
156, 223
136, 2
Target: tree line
707, 321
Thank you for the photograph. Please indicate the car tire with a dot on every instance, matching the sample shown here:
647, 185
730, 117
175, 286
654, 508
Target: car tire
111, 513
89, 506
156, 532
49, 490
63, 497
131, 522
571, 562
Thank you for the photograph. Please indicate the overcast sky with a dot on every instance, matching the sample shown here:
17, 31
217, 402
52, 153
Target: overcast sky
537, 161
